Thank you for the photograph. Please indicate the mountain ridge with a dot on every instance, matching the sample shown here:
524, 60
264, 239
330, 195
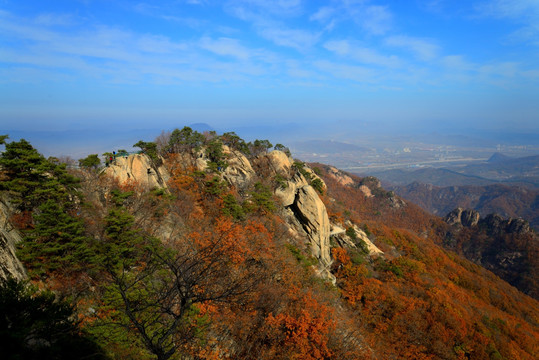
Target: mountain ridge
270, 291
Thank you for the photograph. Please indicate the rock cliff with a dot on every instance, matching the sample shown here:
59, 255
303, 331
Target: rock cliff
304, 204
10, 266
306, 211
504, 246
138, 168
459, 216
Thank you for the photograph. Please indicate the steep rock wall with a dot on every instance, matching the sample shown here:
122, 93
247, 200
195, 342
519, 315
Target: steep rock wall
138, 168
10, 266
305, 204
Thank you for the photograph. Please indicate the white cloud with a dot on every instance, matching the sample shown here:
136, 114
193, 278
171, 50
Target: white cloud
523, 12
361, 54
225, 47
115, 55
423, 49
376, 19
323, 14
294, 38
347, 72
275, 7
457, 63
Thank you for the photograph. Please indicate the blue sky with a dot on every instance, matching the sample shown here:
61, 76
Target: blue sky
118, 64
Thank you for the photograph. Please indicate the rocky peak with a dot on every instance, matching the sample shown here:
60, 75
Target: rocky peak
306, 209
495, 224
140, 169
340, 176
460, 216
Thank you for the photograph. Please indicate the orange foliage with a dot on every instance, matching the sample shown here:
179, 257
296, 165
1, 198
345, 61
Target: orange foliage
304, 329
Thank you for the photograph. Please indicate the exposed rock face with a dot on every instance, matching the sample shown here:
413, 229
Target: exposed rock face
280, 162
343, 239
287, 194
459, 216
341, 177
10, 266
366, 191
138, 168
312, 214
373, 249
307, 208
239, 171
495, 224
504, 246
492, 223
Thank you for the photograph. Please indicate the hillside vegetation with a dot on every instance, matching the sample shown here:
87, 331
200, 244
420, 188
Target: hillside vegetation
207, 247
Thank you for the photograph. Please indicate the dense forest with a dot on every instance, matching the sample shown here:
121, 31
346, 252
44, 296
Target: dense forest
210, 254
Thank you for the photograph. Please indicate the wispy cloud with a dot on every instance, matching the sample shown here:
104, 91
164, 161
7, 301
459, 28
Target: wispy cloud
274, 30
361, 54
295, 38
345, 71
323, 14
376, 19
276, 7
523, 12
118, 55
225, 47
422, 48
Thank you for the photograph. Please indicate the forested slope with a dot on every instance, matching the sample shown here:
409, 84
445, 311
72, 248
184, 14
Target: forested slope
245, 254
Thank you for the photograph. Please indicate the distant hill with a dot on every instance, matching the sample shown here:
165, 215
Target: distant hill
434, 176
505, 169
498, 157
326, 147
498, 169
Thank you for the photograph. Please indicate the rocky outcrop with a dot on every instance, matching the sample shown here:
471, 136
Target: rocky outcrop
10, 266
280, 162
495, 224
341, 177
239, 171
374, 251
366, 191
504, 246
306, 208
492, 223
311, 213
459, 216
138, 168
360, 238
287, 192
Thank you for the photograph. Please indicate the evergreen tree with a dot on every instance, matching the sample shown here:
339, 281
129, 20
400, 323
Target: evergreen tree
34, 325
91, 161
31, 179
56, 243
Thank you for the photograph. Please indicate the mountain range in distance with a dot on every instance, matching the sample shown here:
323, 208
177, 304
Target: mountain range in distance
504, 185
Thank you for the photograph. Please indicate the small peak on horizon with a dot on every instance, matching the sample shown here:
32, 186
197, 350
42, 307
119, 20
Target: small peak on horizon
498, 157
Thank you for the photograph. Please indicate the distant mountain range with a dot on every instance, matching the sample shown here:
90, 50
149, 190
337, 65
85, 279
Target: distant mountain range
326, 146
504, 185
498, 169
508, 201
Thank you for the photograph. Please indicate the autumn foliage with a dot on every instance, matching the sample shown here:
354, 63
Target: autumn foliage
204, 270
